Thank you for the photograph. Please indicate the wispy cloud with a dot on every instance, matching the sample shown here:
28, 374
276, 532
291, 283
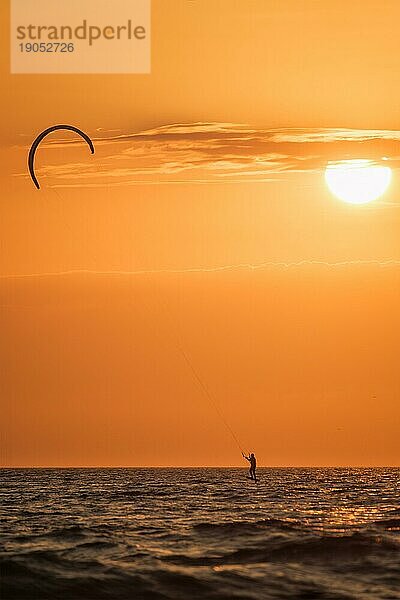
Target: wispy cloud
384, 263
214, 152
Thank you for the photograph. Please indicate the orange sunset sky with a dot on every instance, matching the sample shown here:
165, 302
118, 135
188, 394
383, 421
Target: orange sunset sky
203, 224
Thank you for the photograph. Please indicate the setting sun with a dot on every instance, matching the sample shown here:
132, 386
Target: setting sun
357, 181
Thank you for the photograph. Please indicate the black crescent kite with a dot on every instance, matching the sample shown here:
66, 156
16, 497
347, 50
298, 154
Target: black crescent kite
32, 151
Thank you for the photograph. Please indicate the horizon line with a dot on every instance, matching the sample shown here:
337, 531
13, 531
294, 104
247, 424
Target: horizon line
245, 467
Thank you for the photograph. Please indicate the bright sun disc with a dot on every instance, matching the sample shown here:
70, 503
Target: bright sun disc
357, 181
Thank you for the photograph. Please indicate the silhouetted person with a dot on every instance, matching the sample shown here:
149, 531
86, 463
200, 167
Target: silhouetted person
253, 465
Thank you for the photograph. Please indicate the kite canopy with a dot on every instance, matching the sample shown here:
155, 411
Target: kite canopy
33, 148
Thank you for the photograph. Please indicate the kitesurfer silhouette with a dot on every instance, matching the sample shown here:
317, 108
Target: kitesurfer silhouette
253, 465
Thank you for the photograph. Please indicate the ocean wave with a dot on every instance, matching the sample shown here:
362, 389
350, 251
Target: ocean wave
389, 524
318, 549
232, 527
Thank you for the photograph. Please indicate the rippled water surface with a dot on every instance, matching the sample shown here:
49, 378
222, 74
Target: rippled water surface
92, 534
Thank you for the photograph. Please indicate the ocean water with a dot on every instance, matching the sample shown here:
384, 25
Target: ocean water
160, 534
